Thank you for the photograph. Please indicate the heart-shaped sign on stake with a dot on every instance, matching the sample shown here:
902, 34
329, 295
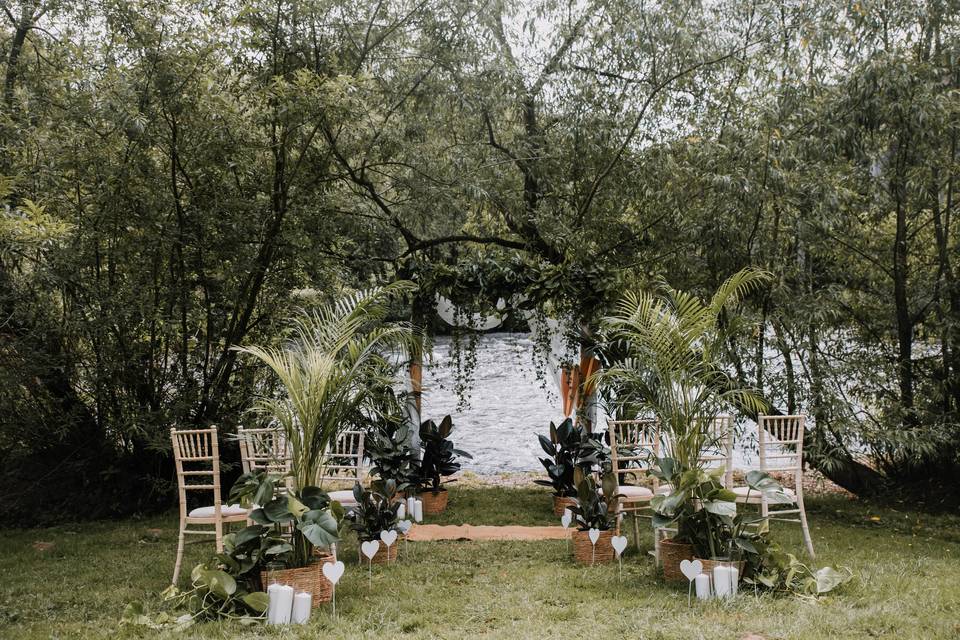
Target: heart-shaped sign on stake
566, 519
690, 570
594, 535
388, 538
369, 549
333, 571
404, 527
619, 543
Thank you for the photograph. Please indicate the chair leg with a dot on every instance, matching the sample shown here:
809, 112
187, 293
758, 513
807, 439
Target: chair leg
636, 530
656, 547
807, 539
180, 542
219, 528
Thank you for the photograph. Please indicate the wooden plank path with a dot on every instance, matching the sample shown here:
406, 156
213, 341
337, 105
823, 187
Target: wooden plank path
428, 532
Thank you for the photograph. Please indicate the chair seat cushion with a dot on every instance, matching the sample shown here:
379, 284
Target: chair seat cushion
225, 510
755, 496
632, 493
664, 490
344, 497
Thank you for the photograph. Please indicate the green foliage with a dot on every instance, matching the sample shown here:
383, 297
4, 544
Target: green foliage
392, 458
593, 508
325, 371
666, 357
439, 459
563, 448
214, 594
376, 510
781, 572
314, 518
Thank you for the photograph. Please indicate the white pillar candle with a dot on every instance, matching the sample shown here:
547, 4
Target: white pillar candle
272, 603
301, 608
734, 580
703, 586
402, 511
418, 511
411, 505
721, 581
284, 597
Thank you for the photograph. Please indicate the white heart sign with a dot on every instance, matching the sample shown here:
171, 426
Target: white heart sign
567, 518
619, 544
333, 571
388, 537
594, 535
370, 548
404, 526
691, 569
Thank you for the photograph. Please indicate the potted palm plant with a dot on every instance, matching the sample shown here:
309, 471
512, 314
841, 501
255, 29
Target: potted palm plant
668, 360
376, 512
438, 463
593, 514
329, 369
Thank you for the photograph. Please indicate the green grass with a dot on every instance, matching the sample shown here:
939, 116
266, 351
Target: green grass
907, 566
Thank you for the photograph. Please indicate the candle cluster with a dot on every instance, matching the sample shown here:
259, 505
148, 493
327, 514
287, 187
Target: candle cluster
414, 509
725, 582
285, 607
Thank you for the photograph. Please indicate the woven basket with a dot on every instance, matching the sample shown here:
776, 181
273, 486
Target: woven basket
559, 504
309, 579
671, 554
584, 553
434, 503
381, 557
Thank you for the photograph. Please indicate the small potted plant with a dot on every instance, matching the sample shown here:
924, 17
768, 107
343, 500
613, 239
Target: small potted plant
392, 457
592, 511
439, 462
563, 449
376, 511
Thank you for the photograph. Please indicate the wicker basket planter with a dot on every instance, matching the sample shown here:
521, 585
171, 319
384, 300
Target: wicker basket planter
671, 554
584, 552
559, 504
309, 579
384, 554
434, 503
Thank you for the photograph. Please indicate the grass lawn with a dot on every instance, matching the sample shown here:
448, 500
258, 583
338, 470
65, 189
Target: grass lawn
907, 564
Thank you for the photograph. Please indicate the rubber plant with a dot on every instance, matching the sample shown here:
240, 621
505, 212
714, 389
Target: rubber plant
439, 455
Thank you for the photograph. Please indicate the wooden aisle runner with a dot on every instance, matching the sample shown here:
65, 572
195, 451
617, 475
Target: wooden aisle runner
427, 532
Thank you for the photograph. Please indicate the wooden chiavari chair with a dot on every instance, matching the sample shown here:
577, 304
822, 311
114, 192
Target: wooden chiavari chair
197, 457
780, 440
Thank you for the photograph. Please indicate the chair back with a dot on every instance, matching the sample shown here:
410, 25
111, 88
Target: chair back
344, 460
780, 441
718, 449
196, 455
633, 444
264, 450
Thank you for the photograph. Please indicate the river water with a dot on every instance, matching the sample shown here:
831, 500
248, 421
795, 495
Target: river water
508, 405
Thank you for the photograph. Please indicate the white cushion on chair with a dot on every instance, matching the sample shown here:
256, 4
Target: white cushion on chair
756, 496
664, 490
225, 510
632, 493
344, 497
